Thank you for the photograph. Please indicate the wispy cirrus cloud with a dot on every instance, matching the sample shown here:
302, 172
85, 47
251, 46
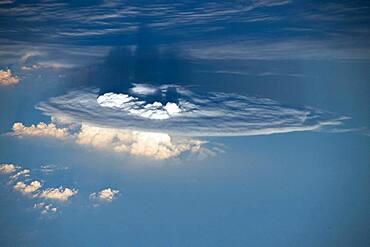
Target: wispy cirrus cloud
47, 65
104, 19
28, 54
338, 47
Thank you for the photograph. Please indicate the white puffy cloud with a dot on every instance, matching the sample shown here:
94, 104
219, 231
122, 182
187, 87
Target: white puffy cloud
149, 144
106, 195
137, 143
33, 189
7, 77
27, 189
59, 194
41, 129
8, 168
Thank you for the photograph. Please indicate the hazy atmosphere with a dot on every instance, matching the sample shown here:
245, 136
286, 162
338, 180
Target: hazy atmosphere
184, 123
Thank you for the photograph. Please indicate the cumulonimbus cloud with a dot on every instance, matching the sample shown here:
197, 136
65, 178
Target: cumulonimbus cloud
210, 114
154, 145
151, 123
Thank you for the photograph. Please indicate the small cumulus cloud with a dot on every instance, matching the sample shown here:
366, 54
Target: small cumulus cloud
106, 195
7, 78
28, 188
59, 194
33, 189
8, 168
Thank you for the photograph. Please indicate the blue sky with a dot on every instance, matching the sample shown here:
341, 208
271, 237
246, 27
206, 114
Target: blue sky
193, 123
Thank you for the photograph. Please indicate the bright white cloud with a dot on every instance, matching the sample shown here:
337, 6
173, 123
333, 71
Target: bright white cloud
41, 129
149, 144
59, 194
137, 143
116, 100
27, 189
7, 78
8, 168
136, 107
106, 195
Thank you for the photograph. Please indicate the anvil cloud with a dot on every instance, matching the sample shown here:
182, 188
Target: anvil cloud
190, 114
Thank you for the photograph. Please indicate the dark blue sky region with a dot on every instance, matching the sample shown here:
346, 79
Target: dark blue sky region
184, 123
